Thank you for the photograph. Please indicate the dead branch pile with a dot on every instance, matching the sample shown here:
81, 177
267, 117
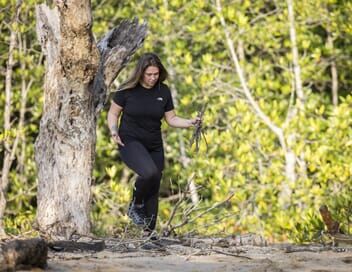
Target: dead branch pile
198, 130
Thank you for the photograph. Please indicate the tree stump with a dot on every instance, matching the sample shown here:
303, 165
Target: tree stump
332, 225
23, 254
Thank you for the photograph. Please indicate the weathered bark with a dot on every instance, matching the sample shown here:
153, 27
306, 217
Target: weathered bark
9, 149
78, 73
116, 49
26, 254
65, 145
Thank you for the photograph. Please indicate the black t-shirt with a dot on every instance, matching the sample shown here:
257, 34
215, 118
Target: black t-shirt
143, 110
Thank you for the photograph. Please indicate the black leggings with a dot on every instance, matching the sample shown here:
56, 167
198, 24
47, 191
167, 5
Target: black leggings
148, 164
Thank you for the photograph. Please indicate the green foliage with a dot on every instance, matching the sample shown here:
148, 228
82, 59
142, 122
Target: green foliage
244, 155
26, 89
110, 198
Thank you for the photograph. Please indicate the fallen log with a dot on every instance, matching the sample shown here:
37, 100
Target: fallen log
342, 240
23, 254
308, 248
74, 246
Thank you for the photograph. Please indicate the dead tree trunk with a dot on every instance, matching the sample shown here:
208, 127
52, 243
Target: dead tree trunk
78, 73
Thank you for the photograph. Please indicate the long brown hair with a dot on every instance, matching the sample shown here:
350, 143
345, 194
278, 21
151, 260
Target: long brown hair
146, 60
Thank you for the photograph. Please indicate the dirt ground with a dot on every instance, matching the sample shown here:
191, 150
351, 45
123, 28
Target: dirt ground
203, 255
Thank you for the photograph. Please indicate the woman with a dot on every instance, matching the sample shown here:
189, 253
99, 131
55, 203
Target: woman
143, 101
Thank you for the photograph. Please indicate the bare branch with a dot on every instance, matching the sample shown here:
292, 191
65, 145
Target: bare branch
182, 197
186, 220
277, 130
116, 49
296, 66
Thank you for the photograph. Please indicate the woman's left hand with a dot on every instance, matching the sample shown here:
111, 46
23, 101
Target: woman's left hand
196, 121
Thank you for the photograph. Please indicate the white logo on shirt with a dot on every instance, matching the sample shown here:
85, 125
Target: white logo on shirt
159, 98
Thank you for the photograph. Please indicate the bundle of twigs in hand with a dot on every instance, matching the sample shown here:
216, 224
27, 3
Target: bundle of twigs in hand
198, 130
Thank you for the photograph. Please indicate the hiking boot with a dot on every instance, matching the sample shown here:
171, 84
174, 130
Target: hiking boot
137, 214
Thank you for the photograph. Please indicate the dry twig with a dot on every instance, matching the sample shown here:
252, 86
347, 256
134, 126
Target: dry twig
230, 254
182, 196
186, 219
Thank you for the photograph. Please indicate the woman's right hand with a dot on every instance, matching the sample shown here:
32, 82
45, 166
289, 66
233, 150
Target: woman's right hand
115, 136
